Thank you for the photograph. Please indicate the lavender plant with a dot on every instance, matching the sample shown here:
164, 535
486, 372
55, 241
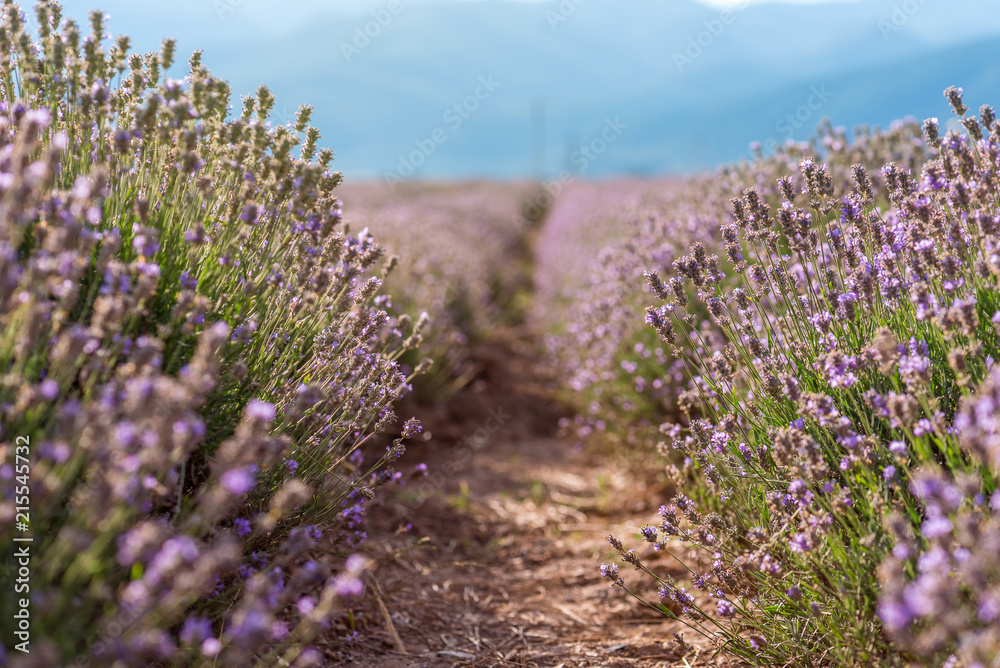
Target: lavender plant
609, 366
194, 348
458, 248
836, 430
601, 238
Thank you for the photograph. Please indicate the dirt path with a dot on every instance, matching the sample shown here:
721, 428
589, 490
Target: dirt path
516, 526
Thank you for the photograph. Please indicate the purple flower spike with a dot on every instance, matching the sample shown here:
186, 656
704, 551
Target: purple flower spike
260, 410
49, 389
243, 527
237, 481
725, 608
196, 630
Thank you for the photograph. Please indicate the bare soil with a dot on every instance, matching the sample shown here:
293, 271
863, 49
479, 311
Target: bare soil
501, 566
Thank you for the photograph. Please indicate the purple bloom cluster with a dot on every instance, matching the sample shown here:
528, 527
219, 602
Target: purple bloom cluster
623, 378
952, 601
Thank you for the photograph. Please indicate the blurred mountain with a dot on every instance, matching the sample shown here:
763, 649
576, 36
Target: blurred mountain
693, 85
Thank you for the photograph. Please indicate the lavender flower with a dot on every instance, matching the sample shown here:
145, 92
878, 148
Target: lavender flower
243, 526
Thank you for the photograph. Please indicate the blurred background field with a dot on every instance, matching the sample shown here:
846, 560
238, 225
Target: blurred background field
463, 258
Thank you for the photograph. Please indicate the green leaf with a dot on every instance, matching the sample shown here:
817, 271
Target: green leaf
665, 610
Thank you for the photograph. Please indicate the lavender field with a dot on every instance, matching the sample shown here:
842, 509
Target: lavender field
257, 412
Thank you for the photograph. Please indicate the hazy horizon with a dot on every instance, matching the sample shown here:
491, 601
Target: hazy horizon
387, 76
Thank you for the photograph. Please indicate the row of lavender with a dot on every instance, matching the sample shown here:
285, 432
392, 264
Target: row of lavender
462, 257
198, 364
821, 362
597, 341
